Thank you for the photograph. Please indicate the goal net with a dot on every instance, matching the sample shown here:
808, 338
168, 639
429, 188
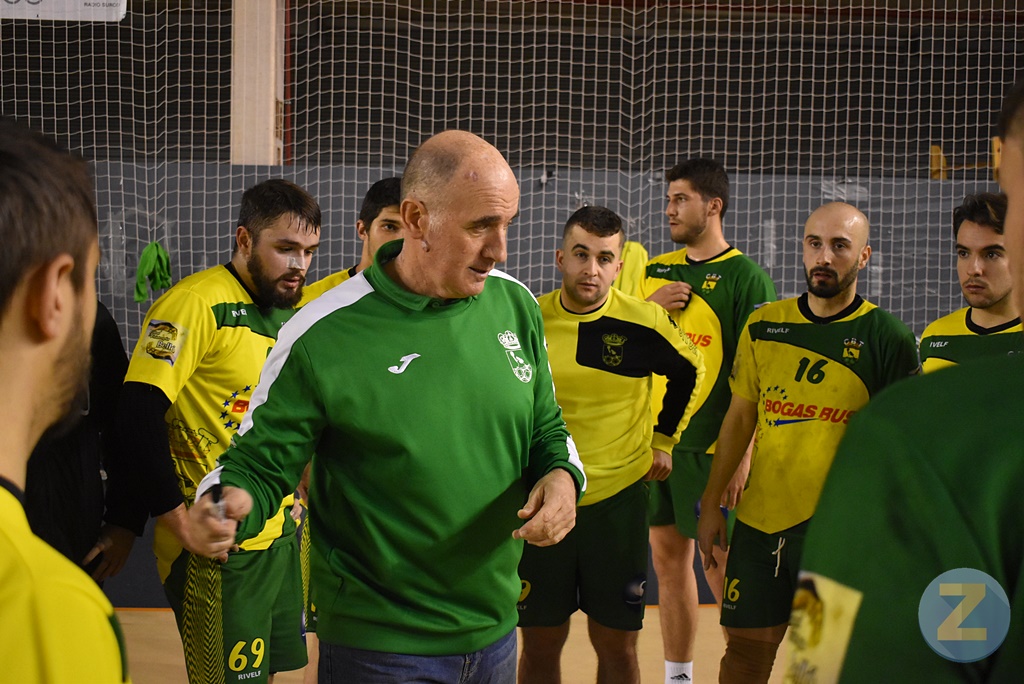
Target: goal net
887, 105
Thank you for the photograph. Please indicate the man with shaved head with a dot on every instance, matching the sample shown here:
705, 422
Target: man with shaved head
803, 367
420, 389
931, 471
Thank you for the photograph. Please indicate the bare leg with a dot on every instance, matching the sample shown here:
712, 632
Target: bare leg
677, 591
541, 659
616, 654
313, 651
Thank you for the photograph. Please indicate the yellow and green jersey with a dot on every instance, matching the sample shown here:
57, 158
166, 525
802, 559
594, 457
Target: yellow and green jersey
808, 375
956, 338
634, 262
311, 292
726, 288
602, 363
203, 344
55, 625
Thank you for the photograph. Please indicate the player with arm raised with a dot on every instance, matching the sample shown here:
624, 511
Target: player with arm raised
709, 288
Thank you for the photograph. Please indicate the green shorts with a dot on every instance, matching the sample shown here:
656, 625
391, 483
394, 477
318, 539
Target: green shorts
761, 576
240, 620
600, 567
677, 499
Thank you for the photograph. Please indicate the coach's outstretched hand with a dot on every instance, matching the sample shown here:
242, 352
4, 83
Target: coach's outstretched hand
550, 510
212, 525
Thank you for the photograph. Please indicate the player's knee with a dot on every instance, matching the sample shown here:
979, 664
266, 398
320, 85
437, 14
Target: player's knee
543, 644
746, 661
614, 645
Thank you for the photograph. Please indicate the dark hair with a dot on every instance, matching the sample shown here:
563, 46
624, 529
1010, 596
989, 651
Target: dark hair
47, 207
597, 221
707, 177
264, 203
984, 208
1011, 118
385, 193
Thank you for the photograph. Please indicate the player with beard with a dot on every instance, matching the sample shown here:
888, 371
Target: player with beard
803, 367
188, 386
57, 625
990, 324
709, 288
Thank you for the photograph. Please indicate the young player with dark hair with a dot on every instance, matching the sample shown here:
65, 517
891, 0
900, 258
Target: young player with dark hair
990, 323
379, 222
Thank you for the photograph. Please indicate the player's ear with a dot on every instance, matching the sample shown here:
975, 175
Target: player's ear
715, 206
51, 297
865, 254
362, 230
244, 241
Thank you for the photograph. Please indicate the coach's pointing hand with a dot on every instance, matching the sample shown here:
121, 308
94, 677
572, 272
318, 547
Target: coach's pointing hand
550, 510
212, 526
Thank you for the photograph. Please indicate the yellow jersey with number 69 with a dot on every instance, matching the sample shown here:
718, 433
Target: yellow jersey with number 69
808, 375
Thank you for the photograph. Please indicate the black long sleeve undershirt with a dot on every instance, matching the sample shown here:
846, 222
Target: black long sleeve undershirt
143, 482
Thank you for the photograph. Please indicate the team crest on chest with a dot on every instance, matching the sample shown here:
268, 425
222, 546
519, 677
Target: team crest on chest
612, 352
851, 350
710, 280
513, 350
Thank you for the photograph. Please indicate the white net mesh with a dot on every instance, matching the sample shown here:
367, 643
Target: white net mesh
591, 101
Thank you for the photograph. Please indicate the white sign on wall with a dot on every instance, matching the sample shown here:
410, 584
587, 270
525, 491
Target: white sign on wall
64, 10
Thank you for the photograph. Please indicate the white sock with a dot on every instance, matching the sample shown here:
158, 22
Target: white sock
678, 672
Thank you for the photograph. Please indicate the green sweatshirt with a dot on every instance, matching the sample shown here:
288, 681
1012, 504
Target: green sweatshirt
430, 421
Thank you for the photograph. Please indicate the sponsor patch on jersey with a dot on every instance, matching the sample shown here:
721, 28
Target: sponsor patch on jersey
240, 406
779, 410
613, 351
163, 340
820, 626
710, 280
513, 350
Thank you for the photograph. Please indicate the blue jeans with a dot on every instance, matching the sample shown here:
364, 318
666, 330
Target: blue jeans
495, 664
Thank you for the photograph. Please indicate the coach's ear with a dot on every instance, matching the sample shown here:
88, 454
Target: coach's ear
50, 298
415, 217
